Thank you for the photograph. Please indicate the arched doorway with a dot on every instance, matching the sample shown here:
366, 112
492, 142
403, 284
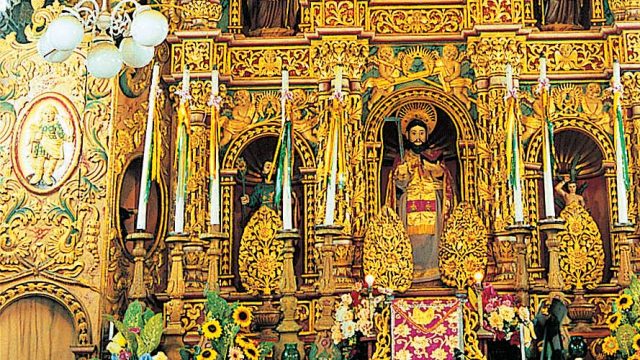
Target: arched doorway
36, 328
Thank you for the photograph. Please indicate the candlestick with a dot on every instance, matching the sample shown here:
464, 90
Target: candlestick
547, 177
214, 140
621, 150
143, 199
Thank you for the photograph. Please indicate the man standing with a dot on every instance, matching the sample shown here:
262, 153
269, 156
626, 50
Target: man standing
263, 193
421, 194
47, 141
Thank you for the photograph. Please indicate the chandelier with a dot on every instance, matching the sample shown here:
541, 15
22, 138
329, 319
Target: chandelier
140, 30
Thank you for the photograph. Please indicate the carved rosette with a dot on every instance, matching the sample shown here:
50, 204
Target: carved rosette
581, 251
387, 252
261, 255
463, 247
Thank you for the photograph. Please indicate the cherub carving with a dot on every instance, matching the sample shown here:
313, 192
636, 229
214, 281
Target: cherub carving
533, 122
242, 115
303, 115
450, 74
269, 64
566, 58
593, 106
389, 70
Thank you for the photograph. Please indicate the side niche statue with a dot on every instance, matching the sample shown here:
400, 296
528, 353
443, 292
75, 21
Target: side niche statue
420, 190
270, 18
563, 14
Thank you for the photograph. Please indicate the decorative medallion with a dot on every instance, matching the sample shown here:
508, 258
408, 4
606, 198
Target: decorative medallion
46, 143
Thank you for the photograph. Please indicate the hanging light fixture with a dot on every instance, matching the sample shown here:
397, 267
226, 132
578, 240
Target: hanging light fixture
142, 31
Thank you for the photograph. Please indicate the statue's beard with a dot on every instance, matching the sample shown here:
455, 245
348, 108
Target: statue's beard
418, 148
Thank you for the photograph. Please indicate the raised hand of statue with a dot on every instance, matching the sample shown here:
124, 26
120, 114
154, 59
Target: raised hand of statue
244, 199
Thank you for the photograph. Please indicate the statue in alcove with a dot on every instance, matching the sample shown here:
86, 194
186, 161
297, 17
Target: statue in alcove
420, 190
572, 194
270, 18
562, 15
263, 193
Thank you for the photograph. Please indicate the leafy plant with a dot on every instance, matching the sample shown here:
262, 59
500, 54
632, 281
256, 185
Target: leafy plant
139, 334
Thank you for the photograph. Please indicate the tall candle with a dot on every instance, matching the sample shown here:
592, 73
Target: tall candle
461, 326
621, 189
214, 165
143, 199
523, 355
517, 186
330, 207
547, 178
178, 226
111, 330
287, 219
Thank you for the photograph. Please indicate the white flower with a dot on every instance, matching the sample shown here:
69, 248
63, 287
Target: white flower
364, 326
348, 329
346, 299
235, 353
340, 313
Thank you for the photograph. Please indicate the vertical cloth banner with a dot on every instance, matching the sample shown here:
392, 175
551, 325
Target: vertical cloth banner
424, 329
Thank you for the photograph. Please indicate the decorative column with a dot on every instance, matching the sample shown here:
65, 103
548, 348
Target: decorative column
138, 290
214, 239
327, 284
625, 242
551, 227
175, 290
521, 231
288, 328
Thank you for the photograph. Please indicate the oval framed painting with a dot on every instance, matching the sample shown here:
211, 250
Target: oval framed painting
46, 143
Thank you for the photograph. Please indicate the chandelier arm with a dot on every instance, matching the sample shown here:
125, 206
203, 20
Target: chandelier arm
86, 11
121, 17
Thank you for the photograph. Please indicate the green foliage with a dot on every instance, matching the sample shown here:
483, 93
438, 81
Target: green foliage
150, 334
141, 328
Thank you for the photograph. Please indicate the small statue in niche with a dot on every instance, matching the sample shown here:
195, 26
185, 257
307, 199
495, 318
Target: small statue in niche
573, 193
451, 76
271, 18
263, 193
562, 15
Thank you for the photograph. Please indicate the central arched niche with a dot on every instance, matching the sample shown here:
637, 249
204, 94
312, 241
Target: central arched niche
443, 137
255, 154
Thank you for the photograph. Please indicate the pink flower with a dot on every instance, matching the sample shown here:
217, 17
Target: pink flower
124, 355
135, 330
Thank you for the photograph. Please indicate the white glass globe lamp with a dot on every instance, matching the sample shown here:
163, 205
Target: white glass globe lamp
49, 53
135, 55
149, 27
103, 59
65, 32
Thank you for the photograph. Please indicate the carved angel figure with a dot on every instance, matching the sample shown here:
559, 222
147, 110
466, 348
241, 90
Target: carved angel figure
566, 58
303, 115
270, 64
389, 70
450, 74
593, 106
242, 115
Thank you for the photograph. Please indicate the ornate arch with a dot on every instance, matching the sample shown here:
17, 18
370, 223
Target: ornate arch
261, 130
460, 117
60, 295
586, 127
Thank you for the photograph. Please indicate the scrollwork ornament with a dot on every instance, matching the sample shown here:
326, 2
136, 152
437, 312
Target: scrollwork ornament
581, 250
417, 20
261, 258
387, 252
463, 247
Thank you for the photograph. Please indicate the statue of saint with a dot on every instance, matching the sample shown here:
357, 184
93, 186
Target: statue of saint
272, 17
47, 141
570, 196
421, 192
562, 15
263, 193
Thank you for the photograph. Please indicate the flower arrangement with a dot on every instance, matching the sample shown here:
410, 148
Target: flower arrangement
223, 335
503, 316
138, 336
354, 317
624, 323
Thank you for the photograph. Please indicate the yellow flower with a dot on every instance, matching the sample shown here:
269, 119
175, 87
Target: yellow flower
114, 348
624, 302
636, 343
506, 313
119, 339
207, 354
160, 356
495, 321
614, 321
241, 340
212, 329
251, 351
242, 316
610, 346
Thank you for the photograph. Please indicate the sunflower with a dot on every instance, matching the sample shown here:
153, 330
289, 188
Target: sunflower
614, 321
636, 343
242, 340
207, 354
610, 346
624, 302
242, 316
212, 329
251, 351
